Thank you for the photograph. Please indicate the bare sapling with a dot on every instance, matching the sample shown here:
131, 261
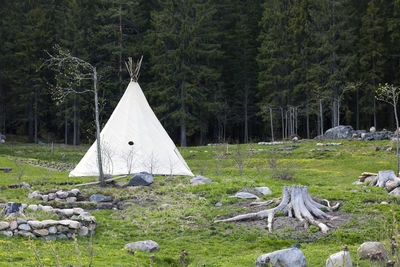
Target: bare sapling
240, 158
296, 202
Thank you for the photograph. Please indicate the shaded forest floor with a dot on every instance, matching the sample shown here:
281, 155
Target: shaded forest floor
186, 223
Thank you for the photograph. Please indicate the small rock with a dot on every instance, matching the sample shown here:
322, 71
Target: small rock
372, 129
390, 185
13, 225
100, 198
21, 221
70, 223
218, 204
164, 206
354, 190
35, 224
32, 207
341, 259
147, 246
62, 236
283, 258
52, 230
245, 195
4, 225
26, 234
75, 192
384, 203
357, 183
264, 190
47, 208
12, 208
62, 194
52, 196
371, 180
62, 228
83, 231
48, 223
34, 194
199, 179
24, 227
142, 178
372, 250
25, 185
7, 233
59, 199
45, 197
66, 212
41, 232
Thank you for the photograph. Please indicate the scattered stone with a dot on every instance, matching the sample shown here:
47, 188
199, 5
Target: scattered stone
357, 183
372, 129
7, 233
354, 190
383, 148
4, 225
62, 194
384, 203
264, 190
372, 251
295, 139
384, 176
34, 194
287, 148
341, 259
245, 195
12, 208
322, 150
218, 204
41, 232
147, 246
199, 179
99, 198
24, 227
25, 185
142, 178
395, 192
283, 258
270, 143
164, 206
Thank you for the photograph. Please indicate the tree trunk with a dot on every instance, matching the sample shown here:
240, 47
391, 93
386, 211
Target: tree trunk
357, 110
296, 202
397, 132
96, 103
36, 107
246, 117
65, 125
272, 124
308, 120
283, 124
120, 44
321, 116
76, 123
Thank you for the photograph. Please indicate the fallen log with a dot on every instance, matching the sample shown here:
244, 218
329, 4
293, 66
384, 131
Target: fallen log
106, 181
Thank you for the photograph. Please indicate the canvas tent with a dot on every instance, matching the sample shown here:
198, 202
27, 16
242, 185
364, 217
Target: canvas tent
133, 140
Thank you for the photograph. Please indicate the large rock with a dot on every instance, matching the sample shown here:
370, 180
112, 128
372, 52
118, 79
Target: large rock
147, 246
245, 195
384, 176
339, 132
35, 224
24, 227
142, 178
372, 250
264, 190
12, 208
283, 258
341, 259
62, 194
199, 179
100, 198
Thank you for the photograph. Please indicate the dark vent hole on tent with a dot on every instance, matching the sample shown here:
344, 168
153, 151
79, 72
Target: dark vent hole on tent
130, 143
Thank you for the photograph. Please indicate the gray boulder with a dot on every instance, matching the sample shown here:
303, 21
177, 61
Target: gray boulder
341, 259
24, 227
62, 194
4, 225
283, 258
100, 198
395, 192
339, 132
7, 233
373, 251
372, 129
245, 195
199, 179
264, 190
384, 176
390, 185
147, 246
142, 178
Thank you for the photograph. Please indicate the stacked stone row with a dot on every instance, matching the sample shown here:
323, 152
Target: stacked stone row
79, 223
60, 195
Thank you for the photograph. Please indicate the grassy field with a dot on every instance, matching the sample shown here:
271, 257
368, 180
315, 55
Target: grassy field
187, 222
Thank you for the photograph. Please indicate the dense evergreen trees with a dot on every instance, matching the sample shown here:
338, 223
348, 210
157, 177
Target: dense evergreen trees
231, 70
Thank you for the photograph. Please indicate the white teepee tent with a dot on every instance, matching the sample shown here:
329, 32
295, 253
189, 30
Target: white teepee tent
133, 140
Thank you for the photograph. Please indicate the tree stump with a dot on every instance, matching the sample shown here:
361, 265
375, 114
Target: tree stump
296, 202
